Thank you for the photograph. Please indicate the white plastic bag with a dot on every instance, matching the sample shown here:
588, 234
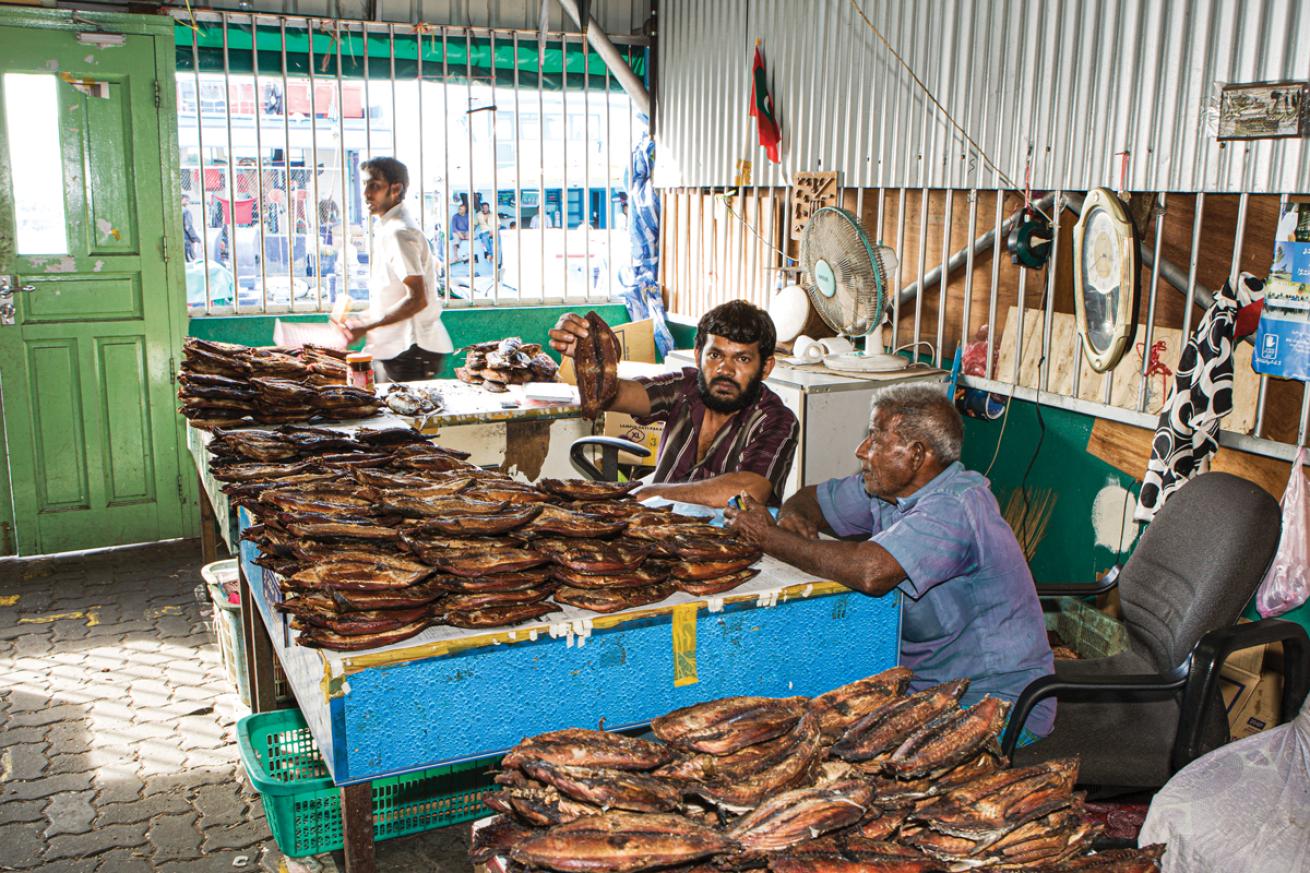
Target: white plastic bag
1287, 584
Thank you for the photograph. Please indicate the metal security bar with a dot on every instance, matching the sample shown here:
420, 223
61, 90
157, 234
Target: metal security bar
278, 112
1037, 358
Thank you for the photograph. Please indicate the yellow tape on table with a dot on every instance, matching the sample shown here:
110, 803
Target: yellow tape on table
684, 644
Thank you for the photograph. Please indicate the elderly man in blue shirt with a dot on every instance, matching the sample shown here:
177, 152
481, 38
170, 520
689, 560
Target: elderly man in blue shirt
916, 521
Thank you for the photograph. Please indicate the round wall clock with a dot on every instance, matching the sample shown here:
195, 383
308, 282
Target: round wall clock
1106, 278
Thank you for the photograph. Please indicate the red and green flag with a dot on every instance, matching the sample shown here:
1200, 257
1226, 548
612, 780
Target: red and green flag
762, 108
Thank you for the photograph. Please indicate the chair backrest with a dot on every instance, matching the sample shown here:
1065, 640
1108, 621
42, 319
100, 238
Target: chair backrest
1197, 565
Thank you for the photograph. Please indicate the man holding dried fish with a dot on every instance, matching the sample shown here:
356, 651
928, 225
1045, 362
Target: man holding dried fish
725, 432
915, 520
405, 335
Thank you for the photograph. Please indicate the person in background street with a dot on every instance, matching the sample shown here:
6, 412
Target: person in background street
725, 432
189, 235
403, 327
486, 228
459, 222
915, 520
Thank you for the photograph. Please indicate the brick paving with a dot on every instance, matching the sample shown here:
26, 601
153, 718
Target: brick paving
117, 728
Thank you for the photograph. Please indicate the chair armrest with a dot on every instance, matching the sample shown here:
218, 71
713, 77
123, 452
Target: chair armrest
1207, 660
610, 447
1102, 585
1128, 688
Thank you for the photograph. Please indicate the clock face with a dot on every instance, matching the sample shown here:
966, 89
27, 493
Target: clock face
1102, 275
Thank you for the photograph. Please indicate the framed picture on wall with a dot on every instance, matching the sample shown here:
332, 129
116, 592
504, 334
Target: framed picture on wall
1262, 110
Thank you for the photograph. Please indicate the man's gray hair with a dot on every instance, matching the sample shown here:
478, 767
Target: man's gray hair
924, 413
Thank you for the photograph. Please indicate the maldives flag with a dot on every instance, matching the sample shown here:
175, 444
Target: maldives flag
762, 108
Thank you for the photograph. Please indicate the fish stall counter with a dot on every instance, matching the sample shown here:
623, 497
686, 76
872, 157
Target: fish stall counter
450, 695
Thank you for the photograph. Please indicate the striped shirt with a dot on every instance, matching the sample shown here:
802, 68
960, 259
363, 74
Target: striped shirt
758, 439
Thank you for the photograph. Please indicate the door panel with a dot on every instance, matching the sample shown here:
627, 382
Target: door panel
85, 373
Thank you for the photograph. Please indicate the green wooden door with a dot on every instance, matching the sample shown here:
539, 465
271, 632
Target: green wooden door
85, 369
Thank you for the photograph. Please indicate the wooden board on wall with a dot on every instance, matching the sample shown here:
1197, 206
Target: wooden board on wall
1125, 379
1128, 448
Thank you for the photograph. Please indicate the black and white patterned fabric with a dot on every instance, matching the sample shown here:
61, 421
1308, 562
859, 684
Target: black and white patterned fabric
1202, 395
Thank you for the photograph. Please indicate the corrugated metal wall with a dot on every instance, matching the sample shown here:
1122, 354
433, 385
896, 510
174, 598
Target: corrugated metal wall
617, 17
1078, 81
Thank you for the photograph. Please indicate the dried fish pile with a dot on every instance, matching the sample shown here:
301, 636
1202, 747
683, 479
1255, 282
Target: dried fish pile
498, 364
377, 535
228, 385
863, 779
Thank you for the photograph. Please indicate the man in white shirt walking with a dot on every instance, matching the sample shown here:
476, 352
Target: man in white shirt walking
405, 334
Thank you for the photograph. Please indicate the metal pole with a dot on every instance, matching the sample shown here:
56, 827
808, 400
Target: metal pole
601, 43
896, 280
994, 289
564, 130
586, 169
447, 217
259, 168
289, 218
495, 180
231, 177
468, 129
1048, 307
941, 296
543, 218
343, 246
422, 138
965, 335
518, 173
315, 210
1143, 383
922, 252
200, 145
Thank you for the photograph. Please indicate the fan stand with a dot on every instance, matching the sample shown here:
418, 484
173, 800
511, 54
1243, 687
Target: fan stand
864, 361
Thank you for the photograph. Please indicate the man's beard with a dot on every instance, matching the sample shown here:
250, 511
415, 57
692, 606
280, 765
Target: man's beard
738, 403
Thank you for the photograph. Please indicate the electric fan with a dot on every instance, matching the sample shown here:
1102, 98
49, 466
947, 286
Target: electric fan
848, 280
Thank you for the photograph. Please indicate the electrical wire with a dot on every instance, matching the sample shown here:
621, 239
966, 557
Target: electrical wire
1004, 177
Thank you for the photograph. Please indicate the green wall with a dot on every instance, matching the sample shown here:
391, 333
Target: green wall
466, 326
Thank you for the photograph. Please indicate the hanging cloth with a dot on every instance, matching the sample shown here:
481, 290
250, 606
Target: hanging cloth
642, 293
1202, 395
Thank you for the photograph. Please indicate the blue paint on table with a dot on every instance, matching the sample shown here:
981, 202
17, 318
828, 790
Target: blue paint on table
379, 720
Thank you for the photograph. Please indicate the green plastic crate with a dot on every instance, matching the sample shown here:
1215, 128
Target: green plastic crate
303, 806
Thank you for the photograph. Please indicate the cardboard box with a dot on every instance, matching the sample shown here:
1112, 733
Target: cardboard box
636, 339
1251, 683
626, 427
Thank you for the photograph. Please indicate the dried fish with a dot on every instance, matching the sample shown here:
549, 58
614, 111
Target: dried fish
620, 843
497, 616
889, 725
612, 599
803, 814
586, 490
322, 638
496, 837
840, 708
596, 366
720, 727
590, 555
353, 576
567, 523
606, 788
649, 573
588, 748
716, 585
480, 524
699, 571
469, 602
950, 739
494, 582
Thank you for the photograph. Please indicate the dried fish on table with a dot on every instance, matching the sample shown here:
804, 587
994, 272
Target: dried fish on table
241, 471
591, 555
612, 599
649, 573
322, 638
586, 490
412, 400
554, 520
278, 393
356, 552
620, 507
904, 793
355, 623
993, 805
488, 561
696, 571
514, 581
886, 727
510, 491
840, 708
497, 616
715, 585
620, 843
589, 748
720, 727
471, 601
389, 598
1143, 860
596, 366
802, 814
357, 576
315, 525
403, 503
712, 549
477, 523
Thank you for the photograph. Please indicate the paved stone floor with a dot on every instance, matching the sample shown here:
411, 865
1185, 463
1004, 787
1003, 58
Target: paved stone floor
117, 727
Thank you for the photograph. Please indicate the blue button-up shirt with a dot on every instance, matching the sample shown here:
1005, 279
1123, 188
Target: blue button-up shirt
970, 607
